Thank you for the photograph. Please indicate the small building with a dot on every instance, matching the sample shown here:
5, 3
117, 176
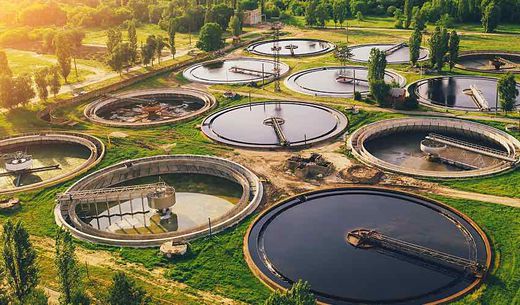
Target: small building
396, 95
252, 17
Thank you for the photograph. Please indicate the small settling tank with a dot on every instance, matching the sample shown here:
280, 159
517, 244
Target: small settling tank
150, 107
238, 71
396, 53
274, 124
471, 93
149, 201
293, 47
341, 81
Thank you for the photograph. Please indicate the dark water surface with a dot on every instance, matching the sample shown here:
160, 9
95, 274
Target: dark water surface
448, 91
245, 124
306, 240
303, 47
402, 55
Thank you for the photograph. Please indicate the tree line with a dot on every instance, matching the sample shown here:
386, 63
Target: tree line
20, 274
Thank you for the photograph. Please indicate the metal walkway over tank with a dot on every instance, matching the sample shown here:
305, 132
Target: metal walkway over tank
252, 72
395, 48
276, 124
113, 193
365, 239
479, 149
478, 97
135, 99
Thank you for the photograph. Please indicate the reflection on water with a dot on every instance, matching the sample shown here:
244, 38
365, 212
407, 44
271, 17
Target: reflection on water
448, 91
325, 80
362, 53
404, 149
222, 73
136, 217
158, 109
68, 156
296, 127
199, 197
296, 249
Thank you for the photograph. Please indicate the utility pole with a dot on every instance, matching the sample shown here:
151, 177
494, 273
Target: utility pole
276, 55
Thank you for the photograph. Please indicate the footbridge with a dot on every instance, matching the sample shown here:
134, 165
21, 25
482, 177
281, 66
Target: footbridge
253, 72
395, 48
479, 149
112, 193
365, 239
478, 98
276, 124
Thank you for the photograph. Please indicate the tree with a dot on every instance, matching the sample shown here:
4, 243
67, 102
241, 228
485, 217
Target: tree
343, 54
376, 64
490, 17
120, 57
415, 45
6, 91
69, 275
132, 42
438, 43
63, 53
453, 49
311, 17
408, 6
54, 80
172, 28
210, 37
40, 80
376, 75
235, 25
339, 11
151, 45
4, 64
507, 92
124, 291
299, 294
22, 91
37, 297
19, 261
114, 37
160, 44
75, 37
322, 14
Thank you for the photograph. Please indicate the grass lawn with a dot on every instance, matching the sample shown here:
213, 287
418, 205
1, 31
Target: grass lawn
27, 62
99, 36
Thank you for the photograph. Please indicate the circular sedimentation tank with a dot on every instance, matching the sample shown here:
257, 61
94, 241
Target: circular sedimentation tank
292, 47
274, 124
467, 93
397, 53
51, 157
463, 148
234, 71
339, 81
310, 237
204, 188
150, 107
489, 62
